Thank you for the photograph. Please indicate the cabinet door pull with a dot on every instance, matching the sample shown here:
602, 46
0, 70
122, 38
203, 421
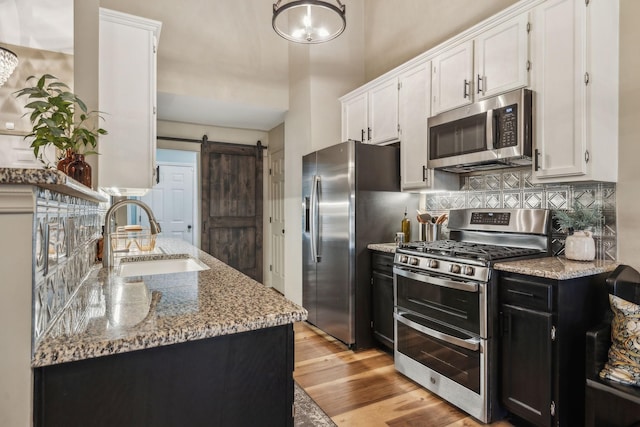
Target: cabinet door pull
520, 293
465, 92
479, 89
424, 173
536, 162
361, 135
368, 134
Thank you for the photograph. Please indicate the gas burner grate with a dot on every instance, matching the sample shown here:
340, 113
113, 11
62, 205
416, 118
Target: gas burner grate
468, 250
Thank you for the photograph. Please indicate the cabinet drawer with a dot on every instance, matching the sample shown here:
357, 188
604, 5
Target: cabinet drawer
526, 293
382, 261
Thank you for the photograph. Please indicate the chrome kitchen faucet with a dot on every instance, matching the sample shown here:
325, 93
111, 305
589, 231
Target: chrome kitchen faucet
107, 256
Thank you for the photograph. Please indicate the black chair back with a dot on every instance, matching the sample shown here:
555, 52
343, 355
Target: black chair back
624, 282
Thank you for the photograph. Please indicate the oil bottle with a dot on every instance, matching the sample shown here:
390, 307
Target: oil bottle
406, 226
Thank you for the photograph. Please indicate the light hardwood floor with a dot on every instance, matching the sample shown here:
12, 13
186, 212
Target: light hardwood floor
363, 389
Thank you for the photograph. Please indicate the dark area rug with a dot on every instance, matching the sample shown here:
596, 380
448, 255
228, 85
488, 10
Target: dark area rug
307, 412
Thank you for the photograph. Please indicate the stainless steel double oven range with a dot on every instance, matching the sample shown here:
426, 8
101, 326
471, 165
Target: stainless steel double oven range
446, 303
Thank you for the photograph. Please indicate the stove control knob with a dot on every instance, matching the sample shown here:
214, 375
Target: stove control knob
414, 261
454, 268
433, 263
404, 259
469, 271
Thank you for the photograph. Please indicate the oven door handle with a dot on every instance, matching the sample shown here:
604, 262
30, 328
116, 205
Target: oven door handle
472, 344
463, 286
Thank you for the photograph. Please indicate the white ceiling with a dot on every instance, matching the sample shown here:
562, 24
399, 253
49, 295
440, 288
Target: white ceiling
212, 112
201, 36
38, 24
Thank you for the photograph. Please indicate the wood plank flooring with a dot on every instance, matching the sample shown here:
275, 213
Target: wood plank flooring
362, 389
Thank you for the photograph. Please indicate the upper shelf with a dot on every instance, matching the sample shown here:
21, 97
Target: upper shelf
51, 179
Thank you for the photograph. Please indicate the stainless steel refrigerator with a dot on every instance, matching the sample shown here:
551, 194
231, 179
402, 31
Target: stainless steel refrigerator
351, 198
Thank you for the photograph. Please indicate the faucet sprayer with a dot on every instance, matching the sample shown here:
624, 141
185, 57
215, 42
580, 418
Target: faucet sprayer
154, 227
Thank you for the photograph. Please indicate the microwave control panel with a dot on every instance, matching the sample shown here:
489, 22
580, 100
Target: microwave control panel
506, 123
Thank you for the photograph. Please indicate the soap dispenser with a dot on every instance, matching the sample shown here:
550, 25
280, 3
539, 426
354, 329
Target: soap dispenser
406, 226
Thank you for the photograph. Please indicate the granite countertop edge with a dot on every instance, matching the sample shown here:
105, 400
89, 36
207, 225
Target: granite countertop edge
558, 268
383, 247
219, 301
51, 179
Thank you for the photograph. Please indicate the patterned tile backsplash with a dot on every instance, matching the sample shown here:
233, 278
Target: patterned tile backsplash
65, 230
513, 189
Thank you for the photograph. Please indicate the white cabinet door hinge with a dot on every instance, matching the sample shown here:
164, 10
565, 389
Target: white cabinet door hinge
586, 78
399, 85
587, 156
528, 27
528, 66
586, 2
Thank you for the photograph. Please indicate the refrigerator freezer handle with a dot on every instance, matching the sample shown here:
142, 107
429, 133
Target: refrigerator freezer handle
314, 218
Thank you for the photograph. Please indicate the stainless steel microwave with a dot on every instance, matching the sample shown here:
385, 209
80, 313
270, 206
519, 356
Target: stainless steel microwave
490, 134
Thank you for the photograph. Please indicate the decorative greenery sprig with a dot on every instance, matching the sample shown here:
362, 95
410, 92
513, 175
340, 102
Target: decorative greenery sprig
580, 218
53, 116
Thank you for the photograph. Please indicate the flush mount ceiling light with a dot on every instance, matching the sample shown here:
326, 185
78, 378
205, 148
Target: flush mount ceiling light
309, 21
8, 62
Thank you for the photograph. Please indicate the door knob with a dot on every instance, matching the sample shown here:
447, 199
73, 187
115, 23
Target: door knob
188, 228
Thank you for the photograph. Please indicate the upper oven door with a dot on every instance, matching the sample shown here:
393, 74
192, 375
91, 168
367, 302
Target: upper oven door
445, 300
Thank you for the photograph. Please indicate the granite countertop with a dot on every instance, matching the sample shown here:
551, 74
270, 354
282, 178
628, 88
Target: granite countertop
52, 179
558, 268
383, 247
161, 309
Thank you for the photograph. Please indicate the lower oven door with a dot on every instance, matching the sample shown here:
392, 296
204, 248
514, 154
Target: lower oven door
447, 362
446, 351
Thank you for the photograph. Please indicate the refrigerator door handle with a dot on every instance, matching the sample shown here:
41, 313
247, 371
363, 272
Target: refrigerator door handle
314, 219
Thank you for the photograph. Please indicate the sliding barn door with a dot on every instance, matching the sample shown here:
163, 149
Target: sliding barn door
232, 205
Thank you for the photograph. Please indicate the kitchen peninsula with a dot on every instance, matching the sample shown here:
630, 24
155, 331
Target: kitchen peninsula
210, 347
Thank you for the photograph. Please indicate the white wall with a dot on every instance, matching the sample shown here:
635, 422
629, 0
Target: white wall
399, 30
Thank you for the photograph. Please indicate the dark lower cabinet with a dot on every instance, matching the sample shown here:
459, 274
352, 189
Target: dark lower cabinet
243, 379
382, 298
542, 345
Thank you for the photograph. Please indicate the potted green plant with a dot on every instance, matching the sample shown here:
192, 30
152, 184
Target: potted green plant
61, 119
578, 224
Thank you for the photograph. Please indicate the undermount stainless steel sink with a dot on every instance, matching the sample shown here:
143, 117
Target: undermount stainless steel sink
160, 266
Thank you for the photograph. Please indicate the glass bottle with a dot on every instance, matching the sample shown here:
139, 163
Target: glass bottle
406, 227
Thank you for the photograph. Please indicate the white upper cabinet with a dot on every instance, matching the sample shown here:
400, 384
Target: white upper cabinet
383, 112
127, 99
413, 109
501, 58
371, 116
494, 62
575, 82
354, 118
451, 76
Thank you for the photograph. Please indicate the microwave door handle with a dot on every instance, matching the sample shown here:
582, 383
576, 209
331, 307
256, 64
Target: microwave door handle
490, 136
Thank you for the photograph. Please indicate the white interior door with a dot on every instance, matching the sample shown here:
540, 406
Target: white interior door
172, 201
276, 186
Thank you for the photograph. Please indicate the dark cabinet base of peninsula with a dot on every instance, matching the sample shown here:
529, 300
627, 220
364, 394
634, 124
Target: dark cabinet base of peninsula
243, 379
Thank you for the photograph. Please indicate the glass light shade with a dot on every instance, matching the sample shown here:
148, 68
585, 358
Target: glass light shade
309, 21
8, 62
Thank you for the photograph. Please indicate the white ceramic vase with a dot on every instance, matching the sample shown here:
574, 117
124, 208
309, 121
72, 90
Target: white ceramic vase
580, 246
